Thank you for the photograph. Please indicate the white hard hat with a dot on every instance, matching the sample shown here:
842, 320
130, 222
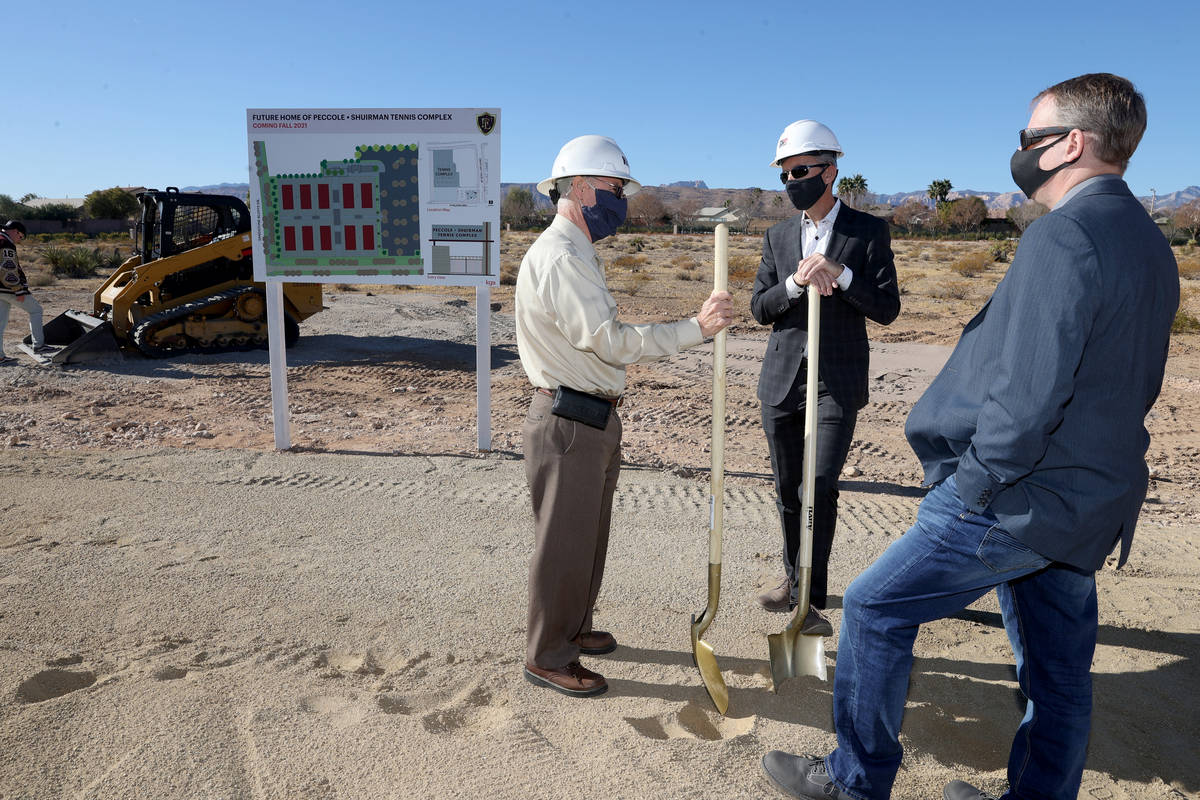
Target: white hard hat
590, 155
805, 136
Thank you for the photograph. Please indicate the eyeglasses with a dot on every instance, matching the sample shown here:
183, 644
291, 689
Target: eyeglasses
1031, 136
799, 171
618, 190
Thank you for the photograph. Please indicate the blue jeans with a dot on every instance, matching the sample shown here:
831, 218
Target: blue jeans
947, 560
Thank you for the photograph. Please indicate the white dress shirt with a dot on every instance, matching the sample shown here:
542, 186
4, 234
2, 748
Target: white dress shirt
815, 239
567, 328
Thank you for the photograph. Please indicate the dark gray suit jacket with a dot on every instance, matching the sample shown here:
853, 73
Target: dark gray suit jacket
862, 243
1040, 411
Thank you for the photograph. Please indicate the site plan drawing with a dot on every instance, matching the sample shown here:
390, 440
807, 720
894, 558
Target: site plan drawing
375, 195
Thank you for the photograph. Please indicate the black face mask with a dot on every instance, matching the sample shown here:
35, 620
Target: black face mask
805, 193
1026, 173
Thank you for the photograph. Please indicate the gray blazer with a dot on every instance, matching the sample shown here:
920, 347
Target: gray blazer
1040, 411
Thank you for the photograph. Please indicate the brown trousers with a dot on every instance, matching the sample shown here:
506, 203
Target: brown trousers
572, 471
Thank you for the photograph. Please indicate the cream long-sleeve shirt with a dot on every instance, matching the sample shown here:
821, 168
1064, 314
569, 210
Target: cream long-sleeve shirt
567, 328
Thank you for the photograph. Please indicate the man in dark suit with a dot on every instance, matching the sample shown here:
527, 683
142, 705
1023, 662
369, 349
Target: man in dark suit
845, 255
1033, 437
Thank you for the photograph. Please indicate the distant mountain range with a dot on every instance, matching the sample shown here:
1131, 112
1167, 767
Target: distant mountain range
698, 191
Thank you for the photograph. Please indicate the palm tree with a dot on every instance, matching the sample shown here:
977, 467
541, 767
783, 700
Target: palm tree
852, 189
939, 190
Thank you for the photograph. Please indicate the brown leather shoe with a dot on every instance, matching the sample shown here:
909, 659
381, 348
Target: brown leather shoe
596, 643
778, 599
574, 679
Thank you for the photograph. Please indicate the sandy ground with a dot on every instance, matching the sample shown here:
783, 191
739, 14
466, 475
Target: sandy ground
189, 614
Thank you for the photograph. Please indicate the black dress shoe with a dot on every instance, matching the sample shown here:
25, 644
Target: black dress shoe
815, 624
961, 790
804, 777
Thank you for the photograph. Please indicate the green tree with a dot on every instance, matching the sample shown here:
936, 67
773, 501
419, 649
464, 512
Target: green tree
517, 207
939, 190
114, 203
852, 189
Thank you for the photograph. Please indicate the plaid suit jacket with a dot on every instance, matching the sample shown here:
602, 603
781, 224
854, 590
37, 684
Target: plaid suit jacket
862, 243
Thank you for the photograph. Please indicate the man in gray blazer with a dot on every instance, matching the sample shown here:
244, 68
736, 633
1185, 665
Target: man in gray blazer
846, 256
1033, 437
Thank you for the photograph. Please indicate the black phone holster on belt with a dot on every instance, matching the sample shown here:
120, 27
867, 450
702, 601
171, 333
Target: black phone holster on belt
581, 407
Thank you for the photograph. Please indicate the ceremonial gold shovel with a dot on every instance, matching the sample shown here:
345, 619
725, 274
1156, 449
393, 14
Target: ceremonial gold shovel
794, 653
701, 650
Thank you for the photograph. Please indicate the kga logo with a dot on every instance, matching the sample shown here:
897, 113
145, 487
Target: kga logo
486, 122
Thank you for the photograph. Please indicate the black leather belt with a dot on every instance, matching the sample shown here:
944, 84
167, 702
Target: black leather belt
616, 401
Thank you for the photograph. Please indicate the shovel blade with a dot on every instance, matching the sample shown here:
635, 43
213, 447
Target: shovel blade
794, 654
710, 673
706, 662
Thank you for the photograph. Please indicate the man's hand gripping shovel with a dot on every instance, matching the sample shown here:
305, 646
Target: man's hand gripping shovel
701, 650
792, 652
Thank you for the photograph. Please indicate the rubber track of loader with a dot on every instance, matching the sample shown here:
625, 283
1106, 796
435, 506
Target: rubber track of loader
172, 314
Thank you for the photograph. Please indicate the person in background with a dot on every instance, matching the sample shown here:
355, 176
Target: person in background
14, 290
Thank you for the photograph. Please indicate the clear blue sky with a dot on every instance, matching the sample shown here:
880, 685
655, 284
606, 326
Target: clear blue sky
155, 94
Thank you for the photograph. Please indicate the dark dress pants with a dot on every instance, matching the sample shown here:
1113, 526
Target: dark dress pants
572, 471
784, 426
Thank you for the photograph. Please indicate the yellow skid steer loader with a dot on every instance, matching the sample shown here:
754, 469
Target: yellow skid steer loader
188, 287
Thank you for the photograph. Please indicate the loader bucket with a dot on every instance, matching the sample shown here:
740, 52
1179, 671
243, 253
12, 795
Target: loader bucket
82, 337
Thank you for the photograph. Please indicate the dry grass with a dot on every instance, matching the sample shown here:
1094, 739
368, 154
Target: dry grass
629, 262
971, 265
1189, 266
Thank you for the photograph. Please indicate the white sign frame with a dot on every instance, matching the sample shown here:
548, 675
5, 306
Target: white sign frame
392, 196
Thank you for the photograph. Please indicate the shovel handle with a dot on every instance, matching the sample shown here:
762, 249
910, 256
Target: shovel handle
717, 486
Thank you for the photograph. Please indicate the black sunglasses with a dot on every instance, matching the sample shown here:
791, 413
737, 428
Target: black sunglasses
800, 171
1031, 136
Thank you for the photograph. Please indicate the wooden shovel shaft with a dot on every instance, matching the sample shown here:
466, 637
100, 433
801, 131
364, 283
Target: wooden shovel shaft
717, 483
706, 661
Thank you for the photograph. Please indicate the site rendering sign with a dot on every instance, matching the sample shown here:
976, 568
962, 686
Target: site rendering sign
368, 195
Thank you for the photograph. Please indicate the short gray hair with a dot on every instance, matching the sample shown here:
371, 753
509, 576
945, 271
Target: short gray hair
1105, 105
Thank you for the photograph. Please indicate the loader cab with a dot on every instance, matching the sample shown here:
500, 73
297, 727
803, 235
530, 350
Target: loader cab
174, 222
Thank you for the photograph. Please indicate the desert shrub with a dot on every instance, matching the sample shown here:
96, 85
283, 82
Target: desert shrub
1185, 323
637, 244
636, 282
508, 273
951, 290
742, 269
1189, 267
686, 262
971, 264
41, 279
80, 262
1002, 251
906, 280
629, 261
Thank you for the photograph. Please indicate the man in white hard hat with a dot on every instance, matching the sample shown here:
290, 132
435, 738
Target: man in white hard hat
846, 256
575, 350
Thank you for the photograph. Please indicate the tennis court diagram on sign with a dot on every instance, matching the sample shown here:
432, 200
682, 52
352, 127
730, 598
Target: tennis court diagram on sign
358, 216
